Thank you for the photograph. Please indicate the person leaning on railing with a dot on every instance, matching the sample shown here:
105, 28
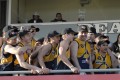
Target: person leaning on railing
21, 61
64, 55
48, 54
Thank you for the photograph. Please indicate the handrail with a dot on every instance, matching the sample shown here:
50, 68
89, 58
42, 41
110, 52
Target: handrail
62, 71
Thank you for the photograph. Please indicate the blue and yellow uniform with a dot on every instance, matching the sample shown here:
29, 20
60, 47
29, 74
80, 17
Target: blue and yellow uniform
101, 62
7, 62
50, 59
83, 53
33, 43
60, 64
25, 55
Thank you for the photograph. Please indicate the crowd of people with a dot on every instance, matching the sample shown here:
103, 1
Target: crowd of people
36, 18
70, 50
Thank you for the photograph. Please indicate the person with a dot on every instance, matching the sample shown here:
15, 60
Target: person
9, 49
116, 49
35, 19
4, 38
103, 58
116, 46
21, 61
81, 50
58, 18
33, 57
40, 41
64, 55
48, 54
91, 38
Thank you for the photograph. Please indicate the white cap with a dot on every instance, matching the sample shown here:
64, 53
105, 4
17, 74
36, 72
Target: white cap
35, 13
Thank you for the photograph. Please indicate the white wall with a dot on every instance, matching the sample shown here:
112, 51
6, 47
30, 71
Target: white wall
22, 12
96, 10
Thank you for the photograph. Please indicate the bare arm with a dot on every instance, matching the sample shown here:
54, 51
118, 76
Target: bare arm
14, 50
11, 49
113, 58
24, 64
1, 41
44, 51
62, 54
74, 50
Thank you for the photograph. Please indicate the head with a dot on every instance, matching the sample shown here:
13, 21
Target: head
69, 34
25, 36
11, 37
58, 16
118, 38
33, 30
91, 34
36, 16
54, 36
40, 41
82, 32
7, 28
103, 46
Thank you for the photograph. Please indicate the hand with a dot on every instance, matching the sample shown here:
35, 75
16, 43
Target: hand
45, 70
74, 69
37, 71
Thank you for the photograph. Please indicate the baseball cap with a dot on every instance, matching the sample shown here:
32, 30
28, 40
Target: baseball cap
53, 33
83, 28
69, 30
33, 27
7, 28
102, 42
92, 30
23, 33
11, 34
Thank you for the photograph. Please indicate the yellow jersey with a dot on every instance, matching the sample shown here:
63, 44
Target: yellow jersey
101, 62
25, 55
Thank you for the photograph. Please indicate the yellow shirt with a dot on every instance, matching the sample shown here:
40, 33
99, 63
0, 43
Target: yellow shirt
83, 49
101, 62
52, 54
33, 43
67, 55
25, 55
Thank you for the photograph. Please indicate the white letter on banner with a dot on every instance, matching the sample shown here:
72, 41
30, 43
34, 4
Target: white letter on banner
101, 27
89, 25
115, 28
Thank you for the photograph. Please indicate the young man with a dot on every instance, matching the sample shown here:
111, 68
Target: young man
9, 49
33, 43
103, 58
48, 54
80, 49
64, 54
21, 62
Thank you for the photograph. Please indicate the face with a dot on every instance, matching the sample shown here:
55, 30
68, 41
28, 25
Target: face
27, 38
56, 39
119, 39
103, 47
12, 41
59, 16
91, 36
82, 35
70, 36
35, 17
33, 32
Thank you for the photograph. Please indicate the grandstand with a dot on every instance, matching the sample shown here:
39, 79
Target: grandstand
101, 14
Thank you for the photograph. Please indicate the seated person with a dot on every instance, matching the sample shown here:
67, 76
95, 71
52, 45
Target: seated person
35, 19
58, 18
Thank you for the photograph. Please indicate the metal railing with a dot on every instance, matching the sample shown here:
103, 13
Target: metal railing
62, 71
